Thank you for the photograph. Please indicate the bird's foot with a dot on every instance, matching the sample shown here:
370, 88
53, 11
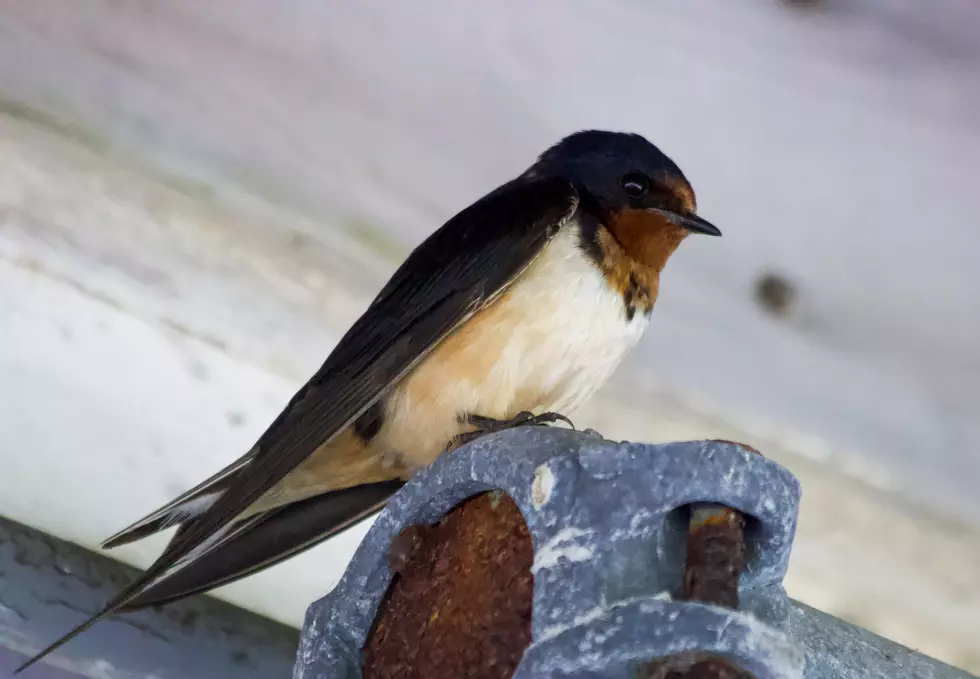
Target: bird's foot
489, 425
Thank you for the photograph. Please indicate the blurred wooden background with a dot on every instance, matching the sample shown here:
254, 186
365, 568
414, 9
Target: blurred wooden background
197, 198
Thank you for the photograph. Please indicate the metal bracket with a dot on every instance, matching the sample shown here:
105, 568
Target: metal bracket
608, 522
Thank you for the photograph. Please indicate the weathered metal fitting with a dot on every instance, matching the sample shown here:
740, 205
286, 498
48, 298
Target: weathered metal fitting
608, 522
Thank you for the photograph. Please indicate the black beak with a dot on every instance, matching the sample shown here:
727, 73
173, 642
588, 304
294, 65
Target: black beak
690, 222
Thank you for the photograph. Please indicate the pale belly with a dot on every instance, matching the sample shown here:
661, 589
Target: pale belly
547, 344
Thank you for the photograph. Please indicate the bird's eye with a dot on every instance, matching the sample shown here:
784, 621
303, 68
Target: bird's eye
635, 184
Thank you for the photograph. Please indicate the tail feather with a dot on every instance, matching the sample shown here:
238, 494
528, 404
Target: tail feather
268, 539
246, 548
181, 509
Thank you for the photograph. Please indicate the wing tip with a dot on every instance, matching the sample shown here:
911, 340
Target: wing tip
135, 532
292, 529
172, 515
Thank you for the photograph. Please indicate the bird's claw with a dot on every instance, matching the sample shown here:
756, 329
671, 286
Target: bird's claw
524, 418
489, 425
549, 418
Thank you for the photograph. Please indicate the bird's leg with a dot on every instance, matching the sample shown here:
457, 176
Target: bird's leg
489, 425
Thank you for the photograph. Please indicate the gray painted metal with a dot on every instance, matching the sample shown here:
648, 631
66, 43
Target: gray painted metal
48, 585
837, 649
608, 525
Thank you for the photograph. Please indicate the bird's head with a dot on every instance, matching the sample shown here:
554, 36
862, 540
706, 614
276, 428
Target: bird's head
636, 191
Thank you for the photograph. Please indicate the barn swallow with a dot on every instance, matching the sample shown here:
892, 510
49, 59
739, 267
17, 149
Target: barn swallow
513, 312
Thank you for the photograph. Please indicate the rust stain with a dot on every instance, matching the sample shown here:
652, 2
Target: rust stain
693, 666
744, 446
715, 557
460, 605
405, 546
719, 516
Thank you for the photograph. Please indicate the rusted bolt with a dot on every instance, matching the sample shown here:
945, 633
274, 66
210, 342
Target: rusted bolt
715, 556
692, 666
712, 568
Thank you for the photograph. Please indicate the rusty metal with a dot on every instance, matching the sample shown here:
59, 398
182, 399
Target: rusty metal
715, 556
404, 546
692, 666
714, 562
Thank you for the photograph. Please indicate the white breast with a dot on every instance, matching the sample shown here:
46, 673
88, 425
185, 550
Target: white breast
547, 344
575, 330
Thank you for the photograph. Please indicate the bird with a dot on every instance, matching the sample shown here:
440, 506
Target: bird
512, 313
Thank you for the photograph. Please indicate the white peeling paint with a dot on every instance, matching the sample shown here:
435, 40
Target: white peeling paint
542, 486
586, 618
564, 546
